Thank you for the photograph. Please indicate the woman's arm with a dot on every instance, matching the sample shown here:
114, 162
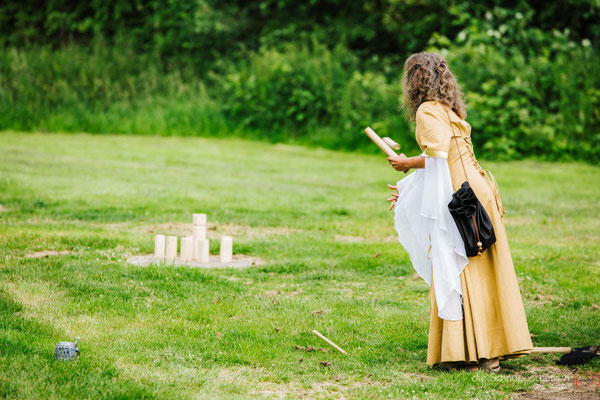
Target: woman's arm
403, 163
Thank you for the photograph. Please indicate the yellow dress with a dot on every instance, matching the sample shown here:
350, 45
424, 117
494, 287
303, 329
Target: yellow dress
494, 323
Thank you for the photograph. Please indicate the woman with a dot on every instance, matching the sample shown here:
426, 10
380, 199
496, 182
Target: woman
477, 316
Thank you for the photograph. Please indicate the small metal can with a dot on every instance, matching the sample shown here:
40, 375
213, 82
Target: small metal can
67, 350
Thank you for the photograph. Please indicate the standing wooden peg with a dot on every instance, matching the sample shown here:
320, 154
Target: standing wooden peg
159, 246
186, 249
171, 248
198, 233
226, 249
203, 251
199, 219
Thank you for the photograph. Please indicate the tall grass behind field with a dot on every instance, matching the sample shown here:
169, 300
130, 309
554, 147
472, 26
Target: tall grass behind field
102, 89
297, 96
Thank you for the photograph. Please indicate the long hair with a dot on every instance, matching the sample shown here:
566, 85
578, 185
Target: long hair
428, 77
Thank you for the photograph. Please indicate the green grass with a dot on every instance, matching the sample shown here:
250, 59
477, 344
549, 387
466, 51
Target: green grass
318, 218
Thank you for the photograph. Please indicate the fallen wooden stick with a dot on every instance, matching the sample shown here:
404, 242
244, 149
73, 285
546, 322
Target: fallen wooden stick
329, 342
550, 350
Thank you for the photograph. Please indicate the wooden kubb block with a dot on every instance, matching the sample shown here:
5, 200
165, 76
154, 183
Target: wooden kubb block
159, 246
171, 248
199, 219
226, 254
203, 251
186, 249
198, 233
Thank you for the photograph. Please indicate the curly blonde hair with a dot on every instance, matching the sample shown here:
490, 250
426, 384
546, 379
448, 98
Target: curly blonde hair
428, 77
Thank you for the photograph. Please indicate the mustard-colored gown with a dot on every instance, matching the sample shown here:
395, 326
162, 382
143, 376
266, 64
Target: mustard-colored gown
494, 323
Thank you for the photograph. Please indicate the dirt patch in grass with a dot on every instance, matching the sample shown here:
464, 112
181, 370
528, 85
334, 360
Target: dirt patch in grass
246, 232
559, 383
239, 261
277, 292
580, 395
329, 389
367, 238
48, 253
337, 387
214, 231
3, 209
349, 239
250, 232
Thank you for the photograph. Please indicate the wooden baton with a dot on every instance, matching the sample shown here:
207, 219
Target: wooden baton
379, 142
390, 142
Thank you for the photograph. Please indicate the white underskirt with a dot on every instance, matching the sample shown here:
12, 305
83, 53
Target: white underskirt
422, 220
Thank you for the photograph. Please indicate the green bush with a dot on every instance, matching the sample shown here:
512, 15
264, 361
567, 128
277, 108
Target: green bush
529, 93
311, 94
286, 89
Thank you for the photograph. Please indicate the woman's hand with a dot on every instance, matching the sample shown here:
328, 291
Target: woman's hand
400, 163
394, 196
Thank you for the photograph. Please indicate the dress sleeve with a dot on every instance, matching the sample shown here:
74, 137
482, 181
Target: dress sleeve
433, 133
429, 234
422, 219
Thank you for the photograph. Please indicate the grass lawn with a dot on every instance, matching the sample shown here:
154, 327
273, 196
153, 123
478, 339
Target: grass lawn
317, 218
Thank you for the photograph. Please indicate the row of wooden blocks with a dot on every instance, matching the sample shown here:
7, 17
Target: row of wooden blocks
195, 247
165, 247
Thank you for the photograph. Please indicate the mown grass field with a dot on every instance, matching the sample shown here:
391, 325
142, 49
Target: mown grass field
317, 218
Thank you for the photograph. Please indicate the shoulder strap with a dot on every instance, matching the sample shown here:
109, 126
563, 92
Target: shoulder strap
457, 146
